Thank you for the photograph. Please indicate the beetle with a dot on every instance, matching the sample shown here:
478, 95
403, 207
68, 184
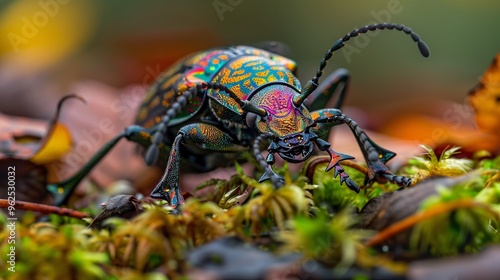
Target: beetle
215, 104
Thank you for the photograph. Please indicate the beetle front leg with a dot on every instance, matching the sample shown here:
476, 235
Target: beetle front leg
206, 137
267, 164
335, 159
376, 157
269, 173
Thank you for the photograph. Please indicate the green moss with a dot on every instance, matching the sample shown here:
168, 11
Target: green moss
316, 220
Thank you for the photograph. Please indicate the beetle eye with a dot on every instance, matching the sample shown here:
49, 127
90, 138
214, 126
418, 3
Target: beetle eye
250, 119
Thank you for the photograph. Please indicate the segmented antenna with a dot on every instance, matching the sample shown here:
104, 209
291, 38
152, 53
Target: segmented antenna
313, 83
422, 47
154, 150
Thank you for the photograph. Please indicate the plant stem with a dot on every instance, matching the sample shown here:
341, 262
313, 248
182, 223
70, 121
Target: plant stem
43, 208
313, 163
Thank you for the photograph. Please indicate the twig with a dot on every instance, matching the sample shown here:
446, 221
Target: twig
421, 216
43, 208
355, 165
493, 179
313, 163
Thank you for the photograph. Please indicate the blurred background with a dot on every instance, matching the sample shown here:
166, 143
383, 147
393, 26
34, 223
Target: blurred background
106, 50
119, 43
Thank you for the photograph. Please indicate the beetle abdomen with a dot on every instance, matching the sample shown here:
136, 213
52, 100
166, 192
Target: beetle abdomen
242, 69
193, 69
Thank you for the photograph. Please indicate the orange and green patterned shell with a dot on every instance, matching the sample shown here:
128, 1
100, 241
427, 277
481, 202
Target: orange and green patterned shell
242, 69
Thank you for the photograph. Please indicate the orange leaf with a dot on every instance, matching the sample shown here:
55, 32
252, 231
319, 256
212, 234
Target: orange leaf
485, 99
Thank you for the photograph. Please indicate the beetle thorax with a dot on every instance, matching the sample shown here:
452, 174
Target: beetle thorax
282, 118
286, 122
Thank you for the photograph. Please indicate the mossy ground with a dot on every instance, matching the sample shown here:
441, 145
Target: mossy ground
320, 221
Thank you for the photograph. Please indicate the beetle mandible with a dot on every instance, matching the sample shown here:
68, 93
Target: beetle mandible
212, 105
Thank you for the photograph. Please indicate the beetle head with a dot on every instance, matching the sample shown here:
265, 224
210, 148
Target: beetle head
294, 147
287, 122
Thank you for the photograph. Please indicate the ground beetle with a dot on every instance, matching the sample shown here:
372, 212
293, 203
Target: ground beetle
223, 101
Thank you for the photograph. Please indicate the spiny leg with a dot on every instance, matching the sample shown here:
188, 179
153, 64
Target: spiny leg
278, 181
206, 137
322, 97
376, 157
266, 164
63, 190
335, 159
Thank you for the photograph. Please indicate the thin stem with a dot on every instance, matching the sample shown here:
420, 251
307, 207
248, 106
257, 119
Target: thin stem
313, 163
45, 209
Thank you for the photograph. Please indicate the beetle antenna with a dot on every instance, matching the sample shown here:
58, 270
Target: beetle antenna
153, 151
313, 83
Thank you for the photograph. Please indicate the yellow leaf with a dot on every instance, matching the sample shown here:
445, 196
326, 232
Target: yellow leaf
57, 144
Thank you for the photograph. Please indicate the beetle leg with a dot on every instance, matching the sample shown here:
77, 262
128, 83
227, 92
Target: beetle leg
153, 151
269, 173
206, 137
266, 164
322, 97
376, 157
335, 159
63, 190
